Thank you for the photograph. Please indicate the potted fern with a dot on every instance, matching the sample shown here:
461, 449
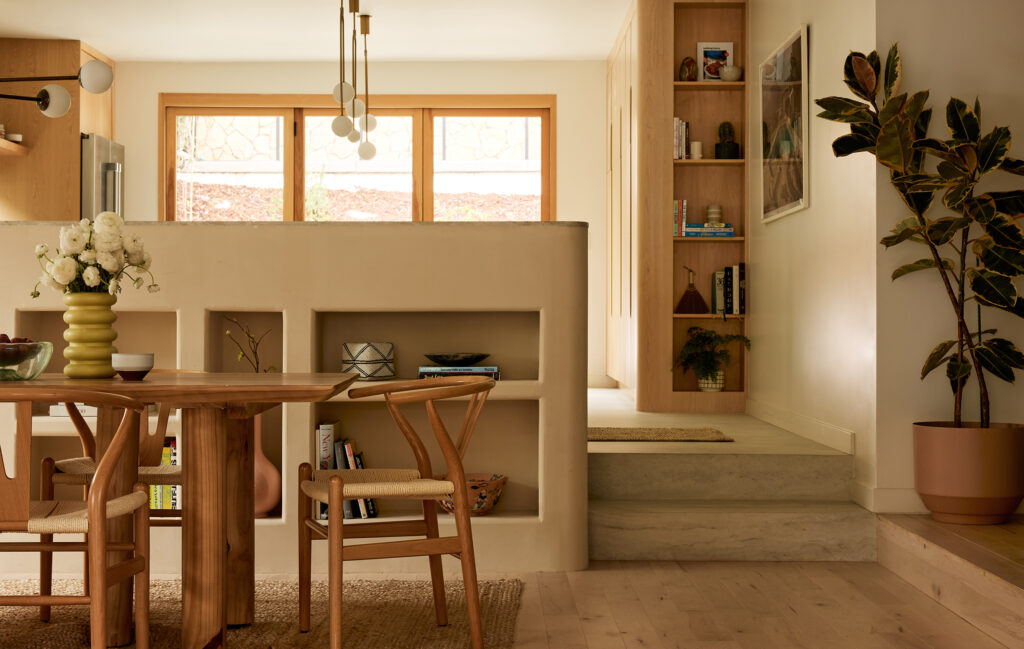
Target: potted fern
706, 354
965, 472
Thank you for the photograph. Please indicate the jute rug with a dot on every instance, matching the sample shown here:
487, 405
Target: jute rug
377, 615
656, 435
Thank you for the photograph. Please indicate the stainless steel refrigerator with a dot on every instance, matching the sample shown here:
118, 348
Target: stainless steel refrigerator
102, 176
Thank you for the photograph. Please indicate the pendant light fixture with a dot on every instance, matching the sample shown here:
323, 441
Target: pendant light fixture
54, 100
354, 121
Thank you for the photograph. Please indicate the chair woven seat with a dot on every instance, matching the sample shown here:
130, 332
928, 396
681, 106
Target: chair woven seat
70, 517
377, 483
79, 471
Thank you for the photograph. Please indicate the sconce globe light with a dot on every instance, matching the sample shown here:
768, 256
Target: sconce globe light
96, 77
346, 92
341, 125
54, 100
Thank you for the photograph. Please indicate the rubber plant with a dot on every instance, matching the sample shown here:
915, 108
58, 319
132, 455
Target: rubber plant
705, 352
975, 245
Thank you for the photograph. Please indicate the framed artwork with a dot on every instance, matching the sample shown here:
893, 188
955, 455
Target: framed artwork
711, 57
784, 116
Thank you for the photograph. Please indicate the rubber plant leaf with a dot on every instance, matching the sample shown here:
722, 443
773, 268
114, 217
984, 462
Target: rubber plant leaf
995, 289
993, 363
893, 72
962, 121
993, 148
920, 264
855, 68
895, 144
852, 143
1003, 260
937, 357
892, 108
1004, 231
943, 230
1007, 351
1013, 166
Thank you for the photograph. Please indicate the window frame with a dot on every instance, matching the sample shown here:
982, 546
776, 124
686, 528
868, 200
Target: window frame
422, 108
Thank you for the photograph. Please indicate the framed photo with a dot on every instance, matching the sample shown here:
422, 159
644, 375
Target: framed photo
784, 116
711, 57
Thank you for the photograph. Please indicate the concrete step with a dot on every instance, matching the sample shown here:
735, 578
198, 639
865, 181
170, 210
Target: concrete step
747, 530
976, 571
674, 476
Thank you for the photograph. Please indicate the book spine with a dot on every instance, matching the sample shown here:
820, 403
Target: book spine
175, 493
342, 463
350, 455
690, 233
701, 226
718, 292
675, 138
728, 290
735, 290
675, 218
743, 288
325, 446
435, 375
371, 507
456, 369
165, 490
686, 140
682, 213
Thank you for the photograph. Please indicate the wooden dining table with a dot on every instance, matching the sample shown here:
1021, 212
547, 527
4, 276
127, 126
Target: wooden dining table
218, 528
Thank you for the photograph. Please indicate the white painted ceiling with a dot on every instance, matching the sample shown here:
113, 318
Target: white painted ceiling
307, 30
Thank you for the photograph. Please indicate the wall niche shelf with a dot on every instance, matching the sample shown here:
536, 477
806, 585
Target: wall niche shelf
710, 162
709, 85
709, 239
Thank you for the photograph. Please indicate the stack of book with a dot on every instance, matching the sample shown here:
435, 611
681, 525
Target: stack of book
435, 371
708, 230
729, 290
680, 139
678, 217
166, 496
341, 454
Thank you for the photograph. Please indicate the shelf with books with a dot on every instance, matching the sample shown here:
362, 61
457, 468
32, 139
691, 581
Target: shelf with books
710, 239
708, 85
710, 162
708, 316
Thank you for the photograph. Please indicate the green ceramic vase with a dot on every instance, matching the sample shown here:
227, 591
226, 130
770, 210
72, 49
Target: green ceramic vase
89, 335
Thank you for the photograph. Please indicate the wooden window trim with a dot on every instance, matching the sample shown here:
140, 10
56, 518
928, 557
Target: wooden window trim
422, 108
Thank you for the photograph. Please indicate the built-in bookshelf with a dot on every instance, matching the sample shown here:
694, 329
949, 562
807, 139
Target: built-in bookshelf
647, 257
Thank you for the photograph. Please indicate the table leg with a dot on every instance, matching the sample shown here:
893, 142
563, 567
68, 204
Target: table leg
204, 528
241, 569
119, 530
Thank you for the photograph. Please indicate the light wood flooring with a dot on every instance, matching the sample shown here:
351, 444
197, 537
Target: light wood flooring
684, 605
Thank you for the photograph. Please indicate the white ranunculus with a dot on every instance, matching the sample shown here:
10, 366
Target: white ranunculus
154, 288
72, 240
136, 257
64, 270
137, 282
131, 242
42, 249
85, 225
110, 261
106, 241
112, 289
91, 276
87, 257
47, 280
147, 261
108, 222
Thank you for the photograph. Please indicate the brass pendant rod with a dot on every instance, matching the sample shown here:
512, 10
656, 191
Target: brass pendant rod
341, 56
365, 28
353, 6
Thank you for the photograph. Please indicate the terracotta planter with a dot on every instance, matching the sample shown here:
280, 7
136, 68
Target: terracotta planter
90, 335
968, 475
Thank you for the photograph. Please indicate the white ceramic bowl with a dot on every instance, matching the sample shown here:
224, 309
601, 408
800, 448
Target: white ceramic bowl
132, 362
730, 73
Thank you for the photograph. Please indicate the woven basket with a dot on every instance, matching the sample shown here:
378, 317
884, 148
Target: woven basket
484, 492
714, 383
372, 361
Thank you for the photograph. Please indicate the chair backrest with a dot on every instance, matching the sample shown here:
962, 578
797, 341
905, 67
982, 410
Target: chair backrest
14, 489
427, 391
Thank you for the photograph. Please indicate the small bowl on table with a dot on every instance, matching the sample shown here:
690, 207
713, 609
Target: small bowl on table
24, 361
132, 367
484, 490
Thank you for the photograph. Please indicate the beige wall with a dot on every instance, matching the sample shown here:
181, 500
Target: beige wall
580, 86
913, 313
812, 288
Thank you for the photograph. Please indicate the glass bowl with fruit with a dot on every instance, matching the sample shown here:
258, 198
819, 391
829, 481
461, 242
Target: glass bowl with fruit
22, 359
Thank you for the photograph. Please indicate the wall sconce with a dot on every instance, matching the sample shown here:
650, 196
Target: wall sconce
53, 100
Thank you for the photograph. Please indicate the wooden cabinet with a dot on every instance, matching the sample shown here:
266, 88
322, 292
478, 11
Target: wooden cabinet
42, 177
646, 264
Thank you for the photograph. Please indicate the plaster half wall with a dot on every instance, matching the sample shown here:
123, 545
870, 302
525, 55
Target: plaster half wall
579, 86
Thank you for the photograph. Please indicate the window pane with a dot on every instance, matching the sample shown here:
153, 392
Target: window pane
487, 168
229, 168
342, 187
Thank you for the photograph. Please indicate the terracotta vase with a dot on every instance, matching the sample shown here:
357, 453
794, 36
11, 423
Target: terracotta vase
969, 475
267, 478
89, 335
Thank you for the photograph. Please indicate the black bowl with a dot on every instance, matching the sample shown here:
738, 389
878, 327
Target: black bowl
457, 358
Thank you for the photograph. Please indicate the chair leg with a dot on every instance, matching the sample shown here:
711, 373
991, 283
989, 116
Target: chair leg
46, 471
142, 578
85, 558
98, 588
436, 570
305, 548
335, 553
462, 526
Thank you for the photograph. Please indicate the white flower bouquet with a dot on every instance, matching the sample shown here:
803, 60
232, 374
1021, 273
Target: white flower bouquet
95, 257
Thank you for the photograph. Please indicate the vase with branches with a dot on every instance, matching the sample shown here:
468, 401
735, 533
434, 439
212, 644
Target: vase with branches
249, 347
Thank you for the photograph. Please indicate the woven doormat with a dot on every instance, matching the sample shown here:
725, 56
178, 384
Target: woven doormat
377, 615
656, 435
